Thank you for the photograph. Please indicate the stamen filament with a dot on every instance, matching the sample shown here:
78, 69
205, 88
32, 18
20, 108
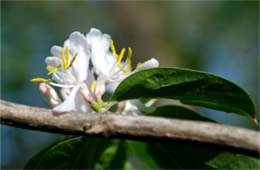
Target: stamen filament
52, 69
43, 80
129, 61
72, 61
139, 64
93, 86
64, 62
67, 56
120, 57
49, 68
113, 49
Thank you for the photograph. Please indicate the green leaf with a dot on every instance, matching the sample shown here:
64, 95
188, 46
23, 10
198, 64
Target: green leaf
226, 160
176, 112
141, 152
82, 153
189, 86
189, 156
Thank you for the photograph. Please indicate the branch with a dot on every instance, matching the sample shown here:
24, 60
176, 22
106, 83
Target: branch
128, 127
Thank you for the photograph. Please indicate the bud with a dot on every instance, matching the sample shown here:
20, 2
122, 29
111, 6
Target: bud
50, 94
86, 95
121, 106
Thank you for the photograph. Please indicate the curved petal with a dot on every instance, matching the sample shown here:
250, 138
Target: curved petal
69, 104
53, 61
63, 78
56, 51
111, 61
65, 92
100, 87
78, 46
148, 64
74, 102
90, 77
99, 46
111, 87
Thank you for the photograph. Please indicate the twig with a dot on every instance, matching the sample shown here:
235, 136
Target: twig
128, 127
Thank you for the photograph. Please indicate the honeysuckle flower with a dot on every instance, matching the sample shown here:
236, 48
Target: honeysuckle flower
82, 87
109, 65
69, 68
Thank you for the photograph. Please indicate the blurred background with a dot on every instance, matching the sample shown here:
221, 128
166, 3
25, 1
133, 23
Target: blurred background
220, 37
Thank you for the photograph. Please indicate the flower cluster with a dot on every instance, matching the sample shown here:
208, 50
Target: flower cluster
85, 68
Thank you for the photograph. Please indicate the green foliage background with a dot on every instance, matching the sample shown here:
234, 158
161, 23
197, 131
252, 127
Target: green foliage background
219, 36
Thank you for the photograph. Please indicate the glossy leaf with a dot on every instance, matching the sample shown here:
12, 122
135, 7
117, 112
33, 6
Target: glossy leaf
189, 86
82, 153
187, 155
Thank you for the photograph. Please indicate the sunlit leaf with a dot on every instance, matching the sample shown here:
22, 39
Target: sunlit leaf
189, 86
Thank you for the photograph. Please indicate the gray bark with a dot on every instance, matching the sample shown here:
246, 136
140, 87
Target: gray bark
128, 127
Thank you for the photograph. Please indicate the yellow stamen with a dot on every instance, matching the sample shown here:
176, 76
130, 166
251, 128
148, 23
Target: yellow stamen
129, 61
64, 62
105, 104
67, 56
49, 68
35, 80
130, 52
93, 86
65, 59
52, 69
113, 49
72, 61
139, 64
120, 57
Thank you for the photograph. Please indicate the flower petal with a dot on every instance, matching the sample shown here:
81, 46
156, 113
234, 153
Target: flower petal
53, 61
56, 51
65, 92
100, 87
74, 102
148, 64
99, 44
111, 87
78, 46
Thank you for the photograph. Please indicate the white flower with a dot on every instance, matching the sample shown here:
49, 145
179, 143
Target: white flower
70, 70
110, 65
69, 67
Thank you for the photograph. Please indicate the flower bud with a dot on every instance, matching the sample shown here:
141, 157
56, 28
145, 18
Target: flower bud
50, 94
86, 95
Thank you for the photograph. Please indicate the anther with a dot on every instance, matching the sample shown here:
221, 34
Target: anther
35, 80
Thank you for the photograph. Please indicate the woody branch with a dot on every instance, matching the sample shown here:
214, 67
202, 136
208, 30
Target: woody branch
128, 127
